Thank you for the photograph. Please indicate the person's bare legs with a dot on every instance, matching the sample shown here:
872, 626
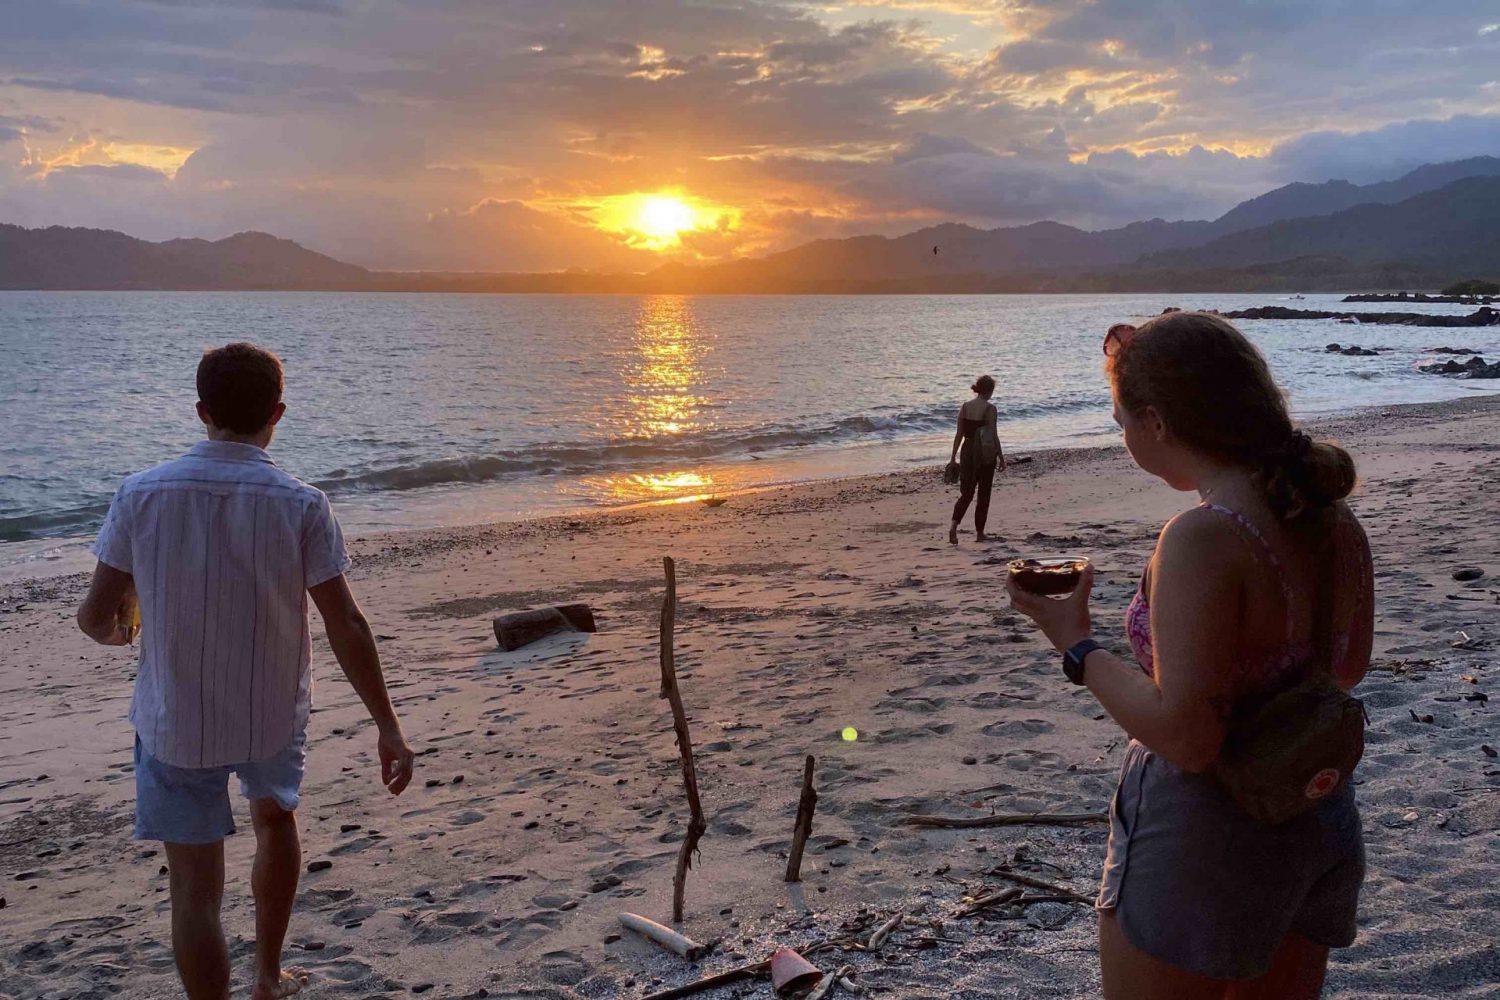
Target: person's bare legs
1131, 974
196, 873
278, 865
1296, 973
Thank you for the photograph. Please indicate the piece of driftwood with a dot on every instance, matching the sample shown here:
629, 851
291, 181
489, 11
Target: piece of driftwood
696, 823
669, 939
806, 806
750, 971
1036, 883
884, 931
711, 982
990, 899
522, 628
830, 983
1005, 819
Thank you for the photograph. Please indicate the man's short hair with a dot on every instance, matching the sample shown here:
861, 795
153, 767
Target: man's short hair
240, 385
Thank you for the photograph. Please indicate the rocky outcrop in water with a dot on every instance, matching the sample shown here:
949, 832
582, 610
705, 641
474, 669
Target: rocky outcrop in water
1483, 316
1466, 300
1475, 367
1352, 351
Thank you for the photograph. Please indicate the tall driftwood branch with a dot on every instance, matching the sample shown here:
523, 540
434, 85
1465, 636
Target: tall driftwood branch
806, 806
696, 823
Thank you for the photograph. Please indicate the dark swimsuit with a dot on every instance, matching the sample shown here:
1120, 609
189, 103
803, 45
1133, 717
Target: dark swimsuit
972, 476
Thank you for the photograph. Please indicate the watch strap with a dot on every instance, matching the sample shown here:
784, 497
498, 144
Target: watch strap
1073, 659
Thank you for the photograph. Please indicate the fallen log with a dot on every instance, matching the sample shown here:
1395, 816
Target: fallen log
1004, 819
669, 939
522, 628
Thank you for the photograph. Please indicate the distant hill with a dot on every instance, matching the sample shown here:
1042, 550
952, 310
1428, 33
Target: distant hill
63, 258
1455, 227
1039, 247
1422, 230
1050, 248
1297, 201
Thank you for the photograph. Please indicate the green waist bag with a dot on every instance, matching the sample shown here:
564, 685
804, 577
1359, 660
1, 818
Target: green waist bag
1287, 751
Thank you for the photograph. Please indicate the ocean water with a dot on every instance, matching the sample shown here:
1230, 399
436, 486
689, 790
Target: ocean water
423, 410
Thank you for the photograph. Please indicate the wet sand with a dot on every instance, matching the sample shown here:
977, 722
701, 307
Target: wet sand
548, 794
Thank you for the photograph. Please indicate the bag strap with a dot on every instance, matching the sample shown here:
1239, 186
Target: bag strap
1324, 607
1323, 601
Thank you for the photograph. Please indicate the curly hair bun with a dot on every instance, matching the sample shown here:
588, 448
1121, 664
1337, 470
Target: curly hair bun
1307, 476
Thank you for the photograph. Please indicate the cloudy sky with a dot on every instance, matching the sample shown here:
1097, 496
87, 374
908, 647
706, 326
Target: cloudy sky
533, 134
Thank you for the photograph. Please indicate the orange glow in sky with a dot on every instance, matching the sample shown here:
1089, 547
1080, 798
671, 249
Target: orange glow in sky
659, 220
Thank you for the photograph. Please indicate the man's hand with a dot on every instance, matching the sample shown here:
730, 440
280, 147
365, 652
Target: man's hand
396, 760
108, 612
353, 644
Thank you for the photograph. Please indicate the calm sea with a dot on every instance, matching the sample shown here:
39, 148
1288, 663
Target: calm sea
421, 410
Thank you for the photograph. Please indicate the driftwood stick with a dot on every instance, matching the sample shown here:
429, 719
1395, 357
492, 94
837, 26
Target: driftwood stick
884, 931
1005, 819
664, 936
1036, 883
741, 972
696, 823
806, 806
829, 984
710, 982
990, 899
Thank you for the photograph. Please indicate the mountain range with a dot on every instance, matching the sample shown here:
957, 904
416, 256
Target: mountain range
1436, 224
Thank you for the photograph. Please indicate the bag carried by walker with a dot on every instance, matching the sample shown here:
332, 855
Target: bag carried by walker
1285, 752
989, 444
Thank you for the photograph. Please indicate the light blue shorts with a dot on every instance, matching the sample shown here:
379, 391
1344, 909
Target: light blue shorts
190, 805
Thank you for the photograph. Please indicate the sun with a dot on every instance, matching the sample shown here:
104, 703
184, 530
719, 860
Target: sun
662, 217
660, 220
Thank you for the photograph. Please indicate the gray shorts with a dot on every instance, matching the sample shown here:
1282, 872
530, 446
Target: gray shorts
1196, 883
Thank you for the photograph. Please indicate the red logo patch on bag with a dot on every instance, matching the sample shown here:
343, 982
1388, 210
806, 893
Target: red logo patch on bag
1322, 783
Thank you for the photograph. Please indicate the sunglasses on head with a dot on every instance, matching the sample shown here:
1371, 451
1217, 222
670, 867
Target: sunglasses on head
1118, 336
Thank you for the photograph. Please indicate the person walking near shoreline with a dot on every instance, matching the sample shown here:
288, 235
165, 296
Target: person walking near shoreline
979, 438
216, 553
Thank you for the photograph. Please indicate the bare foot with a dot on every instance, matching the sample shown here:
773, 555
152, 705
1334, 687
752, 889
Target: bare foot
290, 984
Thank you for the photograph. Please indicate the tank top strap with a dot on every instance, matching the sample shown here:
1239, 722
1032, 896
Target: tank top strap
1265, 546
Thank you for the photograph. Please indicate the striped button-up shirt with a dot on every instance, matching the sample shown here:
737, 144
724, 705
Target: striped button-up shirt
223, 547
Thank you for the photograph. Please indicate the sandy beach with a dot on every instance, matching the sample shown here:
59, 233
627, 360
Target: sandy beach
548, 795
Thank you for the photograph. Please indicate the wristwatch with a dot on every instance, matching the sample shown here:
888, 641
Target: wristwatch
1074, 657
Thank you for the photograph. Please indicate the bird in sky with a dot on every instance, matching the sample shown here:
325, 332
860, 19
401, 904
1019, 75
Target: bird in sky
934, 250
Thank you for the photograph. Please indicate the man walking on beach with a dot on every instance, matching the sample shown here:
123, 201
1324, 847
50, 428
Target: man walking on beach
221, 549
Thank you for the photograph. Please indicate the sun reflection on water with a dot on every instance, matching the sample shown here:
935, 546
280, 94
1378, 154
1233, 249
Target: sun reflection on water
665, 378
666, 398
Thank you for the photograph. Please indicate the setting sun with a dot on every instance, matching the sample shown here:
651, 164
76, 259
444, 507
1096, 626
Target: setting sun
663, 217
658, 220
